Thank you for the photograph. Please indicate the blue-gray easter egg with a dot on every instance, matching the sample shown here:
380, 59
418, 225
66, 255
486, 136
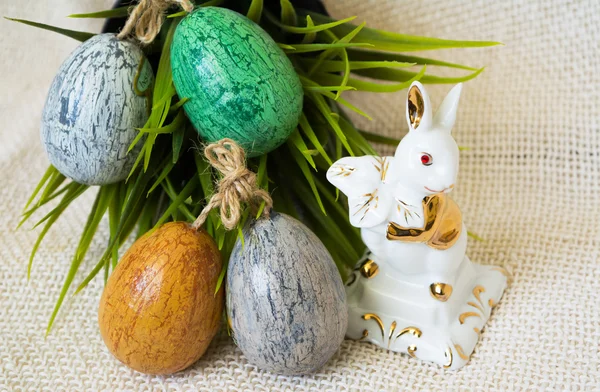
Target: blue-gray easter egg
285, 299
92, 110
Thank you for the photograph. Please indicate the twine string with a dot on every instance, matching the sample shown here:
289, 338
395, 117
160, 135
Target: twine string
148, 16
237, 186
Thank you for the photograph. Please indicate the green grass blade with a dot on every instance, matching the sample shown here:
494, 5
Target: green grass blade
372, 56
326, 113
398, 75
310, 26
177, 201
67, 198
375, 138
78, 35
119, 12
307, 48
309, 38
73, 193
255, 11
475, 236
299, 144
49, 173
310, 134
394, 42
339, 66
363, 85
102, 201
355, 137
330, 52
301, 161
288, 13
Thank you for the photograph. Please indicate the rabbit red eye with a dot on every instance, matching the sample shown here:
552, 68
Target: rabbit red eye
426, 159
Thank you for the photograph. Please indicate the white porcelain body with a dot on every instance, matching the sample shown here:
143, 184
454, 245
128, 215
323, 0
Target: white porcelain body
395, 308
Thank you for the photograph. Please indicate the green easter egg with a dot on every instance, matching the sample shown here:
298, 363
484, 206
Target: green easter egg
239, 83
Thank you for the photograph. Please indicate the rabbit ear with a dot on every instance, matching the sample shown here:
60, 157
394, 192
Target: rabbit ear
418, 108
446, 114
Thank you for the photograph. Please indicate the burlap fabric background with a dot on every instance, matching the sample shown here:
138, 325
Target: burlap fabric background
529, 186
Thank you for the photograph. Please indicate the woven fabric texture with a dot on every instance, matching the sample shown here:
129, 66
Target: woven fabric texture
529, 186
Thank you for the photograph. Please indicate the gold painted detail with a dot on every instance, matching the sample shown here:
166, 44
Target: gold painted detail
411, 330
492, 303
448, 355
392, 329
375, 317
466, 315
369, 269
503, 271
440, 291
442, 226
477, 291
477, 331
411, 350
371, 198
382, 166
351, 279
460, 352
364, 335
407, 209
416, 106
342, 170
476, 306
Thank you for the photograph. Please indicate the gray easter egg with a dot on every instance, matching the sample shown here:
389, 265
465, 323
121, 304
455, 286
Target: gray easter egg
92, 110
285, 299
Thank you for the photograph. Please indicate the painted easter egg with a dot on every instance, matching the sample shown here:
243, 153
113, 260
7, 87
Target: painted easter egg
92, 109
286, 303
159, 312
239, 83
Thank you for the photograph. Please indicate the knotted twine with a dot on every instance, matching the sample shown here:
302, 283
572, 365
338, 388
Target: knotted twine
237, 186
148, 16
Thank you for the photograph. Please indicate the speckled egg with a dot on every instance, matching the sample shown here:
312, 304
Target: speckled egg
92, 109
239, 83
285, 299
159, 311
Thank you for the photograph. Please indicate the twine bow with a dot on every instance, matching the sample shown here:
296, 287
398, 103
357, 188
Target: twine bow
148, 16
237, 186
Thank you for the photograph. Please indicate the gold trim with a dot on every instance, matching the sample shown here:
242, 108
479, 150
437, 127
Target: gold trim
412, 330
442, 224
411, 350
349, 282
369, 316
448, 354
383, 167
369, 269
440, 291
478, 290
415, 106
460, 352
343, 170
477, 331
466, 315
503, 271
392, 329
492, 303
370, 198
476, 306
365, 335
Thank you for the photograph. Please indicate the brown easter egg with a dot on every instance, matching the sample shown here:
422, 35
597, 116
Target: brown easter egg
159, 311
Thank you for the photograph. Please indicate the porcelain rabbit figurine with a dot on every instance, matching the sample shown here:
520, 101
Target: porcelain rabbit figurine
415, 291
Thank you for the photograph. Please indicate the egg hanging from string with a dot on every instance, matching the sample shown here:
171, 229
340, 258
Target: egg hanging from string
238, 82
160, 309
286, 303
92, 110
